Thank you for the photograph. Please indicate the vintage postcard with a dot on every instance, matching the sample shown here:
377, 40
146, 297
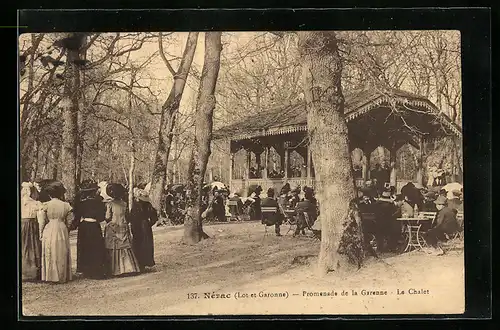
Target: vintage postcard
241, 173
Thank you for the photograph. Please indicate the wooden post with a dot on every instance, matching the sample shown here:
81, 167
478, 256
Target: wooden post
393, 177
365, 172
247, 173
266, 162
368, 157
287, 156
308, 162
257, 160
248, 165
231, 169
420, 167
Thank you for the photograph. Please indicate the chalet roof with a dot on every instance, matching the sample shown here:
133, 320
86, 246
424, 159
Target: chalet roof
293, 118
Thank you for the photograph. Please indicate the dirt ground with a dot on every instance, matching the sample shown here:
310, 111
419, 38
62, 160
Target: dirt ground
238, 258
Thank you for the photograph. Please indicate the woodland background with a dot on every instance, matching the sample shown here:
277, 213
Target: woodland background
124, 79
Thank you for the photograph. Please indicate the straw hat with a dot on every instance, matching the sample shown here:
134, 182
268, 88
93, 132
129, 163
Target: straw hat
141, 194
88, 185
386, 194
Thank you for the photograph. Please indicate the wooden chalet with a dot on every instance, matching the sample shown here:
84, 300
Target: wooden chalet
390, 119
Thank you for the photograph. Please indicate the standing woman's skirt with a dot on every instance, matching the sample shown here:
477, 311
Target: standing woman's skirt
30, 249
56, 256
143, 243
91, 254
120, 256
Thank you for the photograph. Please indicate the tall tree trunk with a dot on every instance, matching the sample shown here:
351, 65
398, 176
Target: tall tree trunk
131, 182
34, 167
167, 122
70, 130
79, 159
322, 70
56, 155
193, 231
27, 137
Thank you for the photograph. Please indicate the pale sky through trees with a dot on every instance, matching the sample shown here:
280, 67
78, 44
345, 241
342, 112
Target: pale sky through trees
158, 78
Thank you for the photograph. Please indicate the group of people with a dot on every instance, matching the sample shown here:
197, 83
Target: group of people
125, 247
297, 200
388, 206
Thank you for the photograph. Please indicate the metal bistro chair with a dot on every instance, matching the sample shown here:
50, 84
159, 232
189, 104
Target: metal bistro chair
234, 210
316, 234
460, 233
268, 213
289, 218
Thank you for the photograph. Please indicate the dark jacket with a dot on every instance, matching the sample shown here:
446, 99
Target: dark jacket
446, 220
413, 194
268, 218
429, 206
92, 208
309, 207
386, 212
237, 199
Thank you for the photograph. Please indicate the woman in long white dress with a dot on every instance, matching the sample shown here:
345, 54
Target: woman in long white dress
54, 232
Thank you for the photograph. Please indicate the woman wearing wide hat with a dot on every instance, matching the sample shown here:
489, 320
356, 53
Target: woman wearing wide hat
54, 231
30, 236
118, 242
89, 213
143, 216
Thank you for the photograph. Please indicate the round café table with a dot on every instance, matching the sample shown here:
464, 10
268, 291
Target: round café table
413, 226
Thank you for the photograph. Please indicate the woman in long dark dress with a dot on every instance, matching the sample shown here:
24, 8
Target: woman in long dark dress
30, 237
142, 217
89, 212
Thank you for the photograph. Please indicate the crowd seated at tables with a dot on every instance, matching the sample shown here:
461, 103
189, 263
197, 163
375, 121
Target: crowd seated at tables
387, 207
376, 199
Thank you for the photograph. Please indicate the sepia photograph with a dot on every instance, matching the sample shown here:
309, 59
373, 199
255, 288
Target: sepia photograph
241, 173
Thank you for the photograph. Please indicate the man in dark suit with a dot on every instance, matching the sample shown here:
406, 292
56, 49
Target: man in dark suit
446, 224
307, 205
268, 218
387, 228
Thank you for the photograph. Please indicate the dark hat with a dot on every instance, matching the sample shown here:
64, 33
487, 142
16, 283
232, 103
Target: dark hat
115, 190
55, 189
270, 192
259, 188
308, 190
88, 185
430, 195
441, 200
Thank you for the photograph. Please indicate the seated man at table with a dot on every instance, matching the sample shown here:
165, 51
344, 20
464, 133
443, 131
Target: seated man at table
307, 205
404, 206
270, 219
429, 205
388, 229
237, 209
446, 224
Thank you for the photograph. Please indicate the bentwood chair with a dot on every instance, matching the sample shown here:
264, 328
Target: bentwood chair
269, 217
234, 210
